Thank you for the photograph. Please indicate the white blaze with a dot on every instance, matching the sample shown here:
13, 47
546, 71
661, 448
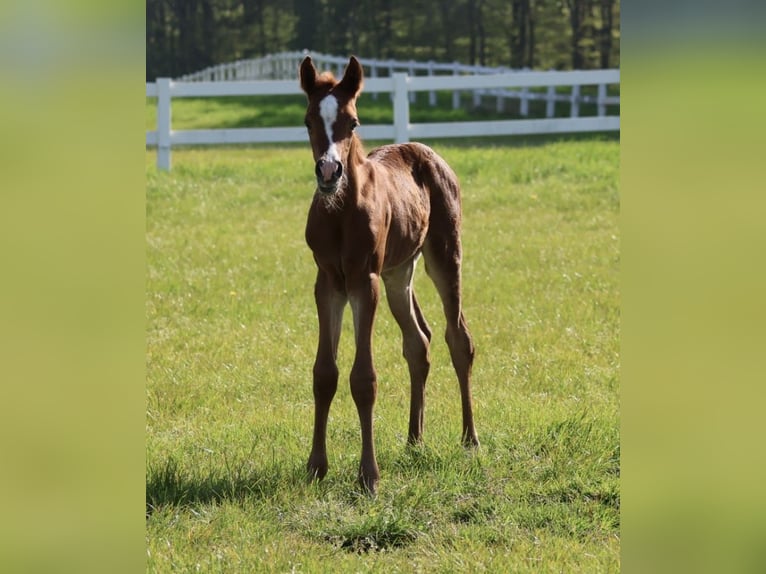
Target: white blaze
328, 109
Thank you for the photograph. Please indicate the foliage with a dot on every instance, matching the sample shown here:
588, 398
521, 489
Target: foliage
231, 333
188, 35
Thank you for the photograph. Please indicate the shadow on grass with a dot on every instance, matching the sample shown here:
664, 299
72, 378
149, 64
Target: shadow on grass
375, 538
167, 484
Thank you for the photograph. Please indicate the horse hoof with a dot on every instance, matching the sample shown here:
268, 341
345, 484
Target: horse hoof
369, 482
369, 486
316, 468
471, 441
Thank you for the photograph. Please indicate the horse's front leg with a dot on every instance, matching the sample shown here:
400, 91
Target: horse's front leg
330, 302
363, 295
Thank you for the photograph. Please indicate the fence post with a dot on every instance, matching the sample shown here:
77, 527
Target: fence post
499, 93
163, 124
374, 74
455, 93
477, 98
550, 104
575, 112
602, 99
431, 94
391, 72
524, 100
401, 108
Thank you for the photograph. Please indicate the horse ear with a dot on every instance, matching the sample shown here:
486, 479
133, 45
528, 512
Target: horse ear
308, 75
353, 77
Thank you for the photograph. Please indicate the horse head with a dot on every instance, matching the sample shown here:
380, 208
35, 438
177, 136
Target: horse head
331, 119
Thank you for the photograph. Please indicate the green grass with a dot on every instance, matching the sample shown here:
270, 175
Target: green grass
231, 335
279, 111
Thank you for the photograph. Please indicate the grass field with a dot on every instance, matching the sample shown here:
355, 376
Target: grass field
231, 335
276, 111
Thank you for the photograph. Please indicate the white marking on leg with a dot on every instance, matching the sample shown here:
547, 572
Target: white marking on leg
328, 109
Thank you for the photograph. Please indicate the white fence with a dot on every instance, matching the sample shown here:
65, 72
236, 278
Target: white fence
400, 86
284, 66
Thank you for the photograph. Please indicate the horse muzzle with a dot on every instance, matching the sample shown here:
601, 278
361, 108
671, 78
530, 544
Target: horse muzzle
328, 174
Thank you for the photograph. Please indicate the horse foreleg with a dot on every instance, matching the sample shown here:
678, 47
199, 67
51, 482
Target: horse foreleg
363, 297
330, 303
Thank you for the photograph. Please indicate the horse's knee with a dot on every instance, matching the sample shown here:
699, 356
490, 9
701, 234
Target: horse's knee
325, 380
364, 386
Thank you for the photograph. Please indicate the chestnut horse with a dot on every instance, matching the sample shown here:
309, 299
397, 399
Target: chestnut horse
371, 218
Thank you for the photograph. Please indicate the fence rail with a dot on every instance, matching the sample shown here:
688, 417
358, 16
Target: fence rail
402, 87
284, 66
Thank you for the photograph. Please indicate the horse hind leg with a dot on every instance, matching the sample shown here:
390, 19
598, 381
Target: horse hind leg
443, 257
416, 337
422, 323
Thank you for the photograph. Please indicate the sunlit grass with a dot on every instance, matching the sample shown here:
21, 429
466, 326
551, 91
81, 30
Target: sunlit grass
284, 111
231, 335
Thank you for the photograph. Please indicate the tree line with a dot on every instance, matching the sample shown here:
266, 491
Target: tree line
184, 36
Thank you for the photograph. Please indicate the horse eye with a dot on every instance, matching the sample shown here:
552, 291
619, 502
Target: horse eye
308, 125
354, 124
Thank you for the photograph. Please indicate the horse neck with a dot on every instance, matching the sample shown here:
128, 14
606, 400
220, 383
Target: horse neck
354, 162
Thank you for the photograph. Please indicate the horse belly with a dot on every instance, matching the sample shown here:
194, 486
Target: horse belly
406, 233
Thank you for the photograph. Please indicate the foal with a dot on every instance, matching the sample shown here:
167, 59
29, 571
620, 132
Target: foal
371, 218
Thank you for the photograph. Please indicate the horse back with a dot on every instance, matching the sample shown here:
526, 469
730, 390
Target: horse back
430, 173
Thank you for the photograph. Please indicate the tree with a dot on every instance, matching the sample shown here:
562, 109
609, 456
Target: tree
447, 28
183, 36
309, 14
605, 31
521, 34
254, 25
578, 10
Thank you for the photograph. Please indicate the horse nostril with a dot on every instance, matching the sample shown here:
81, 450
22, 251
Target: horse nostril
339, 171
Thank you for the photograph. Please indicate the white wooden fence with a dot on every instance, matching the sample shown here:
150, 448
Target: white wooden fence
400, 85
283, 66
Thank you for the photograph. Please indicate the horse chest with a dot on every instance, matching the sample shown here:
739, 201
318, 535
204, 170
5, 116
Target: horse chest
339, 241
324, 237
